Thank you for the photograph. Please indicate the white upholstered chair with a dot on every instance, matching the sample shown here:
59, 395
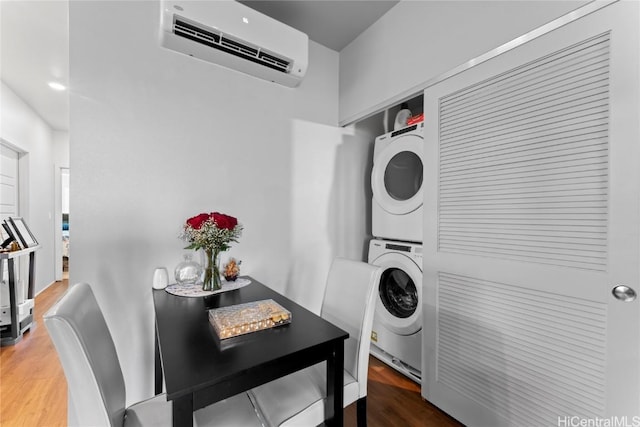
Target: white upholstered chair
94, 377
298, 399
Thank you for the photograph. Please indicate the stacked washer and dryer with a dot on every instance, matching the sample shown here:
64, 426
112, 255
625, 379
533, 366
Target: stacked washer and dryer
396, 182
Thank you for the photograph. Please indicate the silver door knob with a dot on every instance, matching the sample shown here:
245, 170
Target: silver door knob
624, 293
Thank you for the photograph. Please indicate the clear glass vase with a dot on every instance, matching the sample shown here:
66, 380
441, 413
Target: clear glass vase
212, 271
188, 272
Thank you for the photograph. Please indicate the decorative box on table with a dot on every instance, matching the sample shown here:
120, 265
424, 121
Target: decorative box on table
241, 319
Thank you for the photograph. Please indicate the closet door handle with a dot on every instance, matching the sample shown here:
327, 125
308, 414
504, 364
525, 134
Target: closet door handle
624, 293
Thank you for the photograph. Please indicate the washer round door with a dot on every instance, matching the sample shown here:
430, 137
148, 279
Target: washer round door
399, 300
396, 178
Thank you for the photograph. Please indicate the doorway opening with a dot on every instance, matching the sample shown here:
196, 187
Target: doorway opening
63, 225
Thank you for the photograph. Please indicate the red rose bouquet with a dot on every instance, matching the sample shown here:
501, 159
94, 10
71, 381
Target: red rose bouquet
212, 232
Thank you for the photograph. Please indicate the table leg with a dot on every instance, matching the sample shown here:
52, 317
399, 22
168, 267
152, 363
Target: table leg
183, 411
32, 275
158, 366
13, 301
335, 386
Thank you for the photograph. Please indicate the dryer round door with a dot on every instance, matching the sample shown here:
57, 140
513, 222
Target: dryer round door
399, 299
396, 178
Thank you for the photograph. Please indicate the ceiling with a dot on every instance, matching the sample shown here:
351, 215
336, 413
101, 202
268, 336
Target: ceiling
34, 44
34, 50
331, 23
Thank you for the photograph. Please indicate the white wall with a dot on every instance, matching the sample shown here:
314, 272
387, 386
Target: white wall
419, 40
330, 204
157, 137
23, 129
61, 148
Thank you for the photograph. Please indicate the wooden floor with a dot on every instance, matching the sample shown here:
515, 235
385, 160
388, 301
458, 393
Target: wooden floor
393, 400
33, 389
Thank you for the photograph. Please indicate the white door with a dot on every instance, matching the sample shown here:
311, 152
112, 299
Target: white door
532, 217
8, 182
8, 206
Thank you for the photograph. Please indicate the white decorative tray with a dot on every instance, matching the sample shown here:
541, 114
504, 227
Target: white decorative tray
195, 290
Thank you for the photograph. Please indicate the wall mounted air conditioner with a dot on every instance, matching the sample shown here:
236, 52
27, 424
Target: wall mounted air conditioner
235, 36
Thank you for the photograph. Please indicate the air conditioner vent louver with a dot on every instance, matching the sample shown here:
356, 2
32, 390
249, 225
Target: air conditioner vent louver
231, 35
220, 41
278, 62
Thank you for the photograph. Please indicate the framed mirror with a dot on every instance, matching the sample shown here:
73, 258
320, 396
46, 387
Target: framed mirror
24, 235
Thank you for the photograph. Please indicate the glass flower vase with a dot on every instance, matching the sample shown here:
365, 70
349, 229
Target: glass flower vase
212, 271
188, 272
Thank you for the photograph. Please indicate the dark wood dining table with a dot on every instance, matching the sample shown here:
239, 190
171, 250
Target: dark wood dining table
199, 369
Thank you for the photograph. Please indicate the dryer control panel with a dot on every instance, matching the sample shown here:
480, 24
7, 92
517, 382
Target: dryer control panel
378, 247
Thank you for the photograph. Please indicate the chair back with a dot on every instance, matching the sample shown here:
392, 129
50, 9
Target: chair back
349, 303
89, 359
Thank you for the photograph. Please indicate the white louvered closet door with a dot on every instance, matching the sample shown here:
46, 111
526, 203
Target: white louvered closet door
532, 217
